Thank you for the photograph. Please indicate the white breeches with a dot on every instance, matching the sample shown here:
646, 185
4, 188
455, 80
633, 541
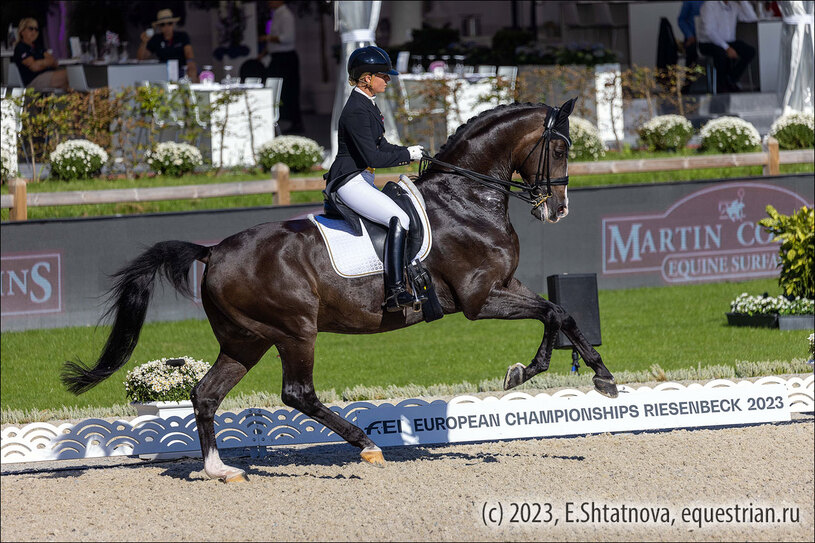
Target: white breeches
361, 195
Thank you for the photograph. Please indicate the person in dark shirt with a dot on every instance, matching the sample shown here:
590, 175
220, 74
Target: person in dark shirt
168, 44
687, 23
38, 69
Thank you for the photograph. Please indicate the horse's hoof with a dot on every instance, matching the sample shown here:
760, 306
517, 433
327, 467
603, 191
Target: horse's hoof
514, 376
373, 455
239, 477
606, 387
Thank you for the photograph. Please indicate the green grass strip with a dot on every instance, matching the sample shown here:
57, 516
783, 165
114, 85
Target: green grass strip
673, 327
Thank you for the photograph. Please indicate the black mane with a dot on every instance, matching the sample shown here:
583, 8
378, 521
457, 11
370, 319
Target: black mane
488, 114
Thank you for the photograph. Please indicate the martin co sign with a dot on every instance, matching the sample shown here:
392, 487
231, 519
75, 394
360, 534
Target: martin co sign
709, 235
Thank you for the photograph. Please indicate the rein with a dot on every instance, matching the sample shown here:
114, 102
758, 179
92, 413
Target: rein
530, 194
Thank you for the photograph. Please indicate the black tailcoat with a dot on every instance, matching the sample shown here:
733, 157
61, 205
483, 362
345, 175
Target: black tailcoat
361, 143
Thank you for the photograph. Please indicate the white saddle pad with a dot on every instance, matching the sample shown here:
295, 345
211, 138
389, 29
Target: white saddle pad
354, 256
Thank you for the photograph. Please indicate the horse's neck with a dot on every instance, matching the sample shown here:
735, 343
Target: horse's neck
465, 199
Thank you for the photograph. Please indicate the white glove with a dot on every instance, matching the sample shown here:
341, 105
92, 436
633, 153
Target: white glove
415, 152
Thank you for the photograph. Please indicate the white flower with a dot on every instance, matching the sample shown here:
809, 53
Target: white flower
293, 145
74, 159
730, 128
806, 118
585, 139
81, 149
156, 380
752, 305
169, 155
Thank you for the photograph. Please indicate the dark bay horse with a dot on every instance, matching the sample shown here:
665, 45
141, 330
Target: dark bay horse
273, 284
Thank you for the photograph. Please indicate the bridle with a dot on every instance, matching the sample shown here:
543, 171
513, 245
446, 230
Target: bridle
531, 194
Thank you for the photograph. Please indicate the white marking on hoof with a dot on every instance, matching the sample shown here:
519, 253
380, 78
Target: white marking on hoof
216, 469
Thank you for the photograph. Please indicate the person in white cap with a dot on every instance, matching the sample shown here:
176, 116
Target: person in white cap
168, 44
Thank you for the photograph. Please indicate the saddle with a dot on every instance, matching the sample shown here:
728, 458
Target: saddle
356, 244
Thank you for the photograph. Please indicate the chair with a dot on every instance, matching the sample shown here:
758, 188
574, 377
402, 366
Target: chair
276, 84
253, 80
14, 77
485, 70
76, 78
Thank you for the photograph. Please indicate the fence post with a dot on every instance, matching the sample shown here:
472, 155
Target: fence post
773, 160
281, 173
19, 206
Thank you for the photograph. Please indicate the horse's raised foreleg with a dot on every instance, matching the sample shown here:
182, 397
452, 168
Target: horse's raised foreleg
206, 397
515, 301
297, 357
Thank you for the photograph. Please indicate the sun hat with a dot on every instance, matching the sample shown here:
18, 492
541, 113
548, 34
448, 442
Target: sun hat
165, 16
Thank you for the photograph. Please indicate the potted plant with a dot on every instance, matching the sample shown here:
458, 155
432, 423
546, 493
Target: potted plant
766, 311
794, 309
162, 387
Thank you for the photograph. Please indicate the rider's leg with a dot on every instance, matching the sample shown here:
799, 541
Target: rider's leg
396, 297
361, 195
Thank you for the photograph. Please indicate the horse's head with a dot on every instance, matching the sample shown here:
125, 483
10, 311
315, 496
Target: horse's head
542, 157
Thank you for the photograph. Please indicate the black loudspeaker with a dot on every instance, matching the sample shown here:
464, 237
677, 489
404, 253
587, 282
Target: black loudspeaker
577, 294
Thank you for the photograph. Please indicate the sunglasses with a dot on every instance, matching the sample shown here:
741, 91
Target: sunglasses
382, 76
165, 24
34, 28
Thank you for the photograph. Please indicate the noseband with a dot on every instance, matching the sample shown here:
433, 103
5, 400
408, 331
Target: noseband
531, 194
549, 133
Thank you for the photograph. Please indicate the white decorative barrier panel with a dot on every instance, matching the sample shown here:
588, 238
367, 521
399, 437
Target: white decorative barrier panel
411, 422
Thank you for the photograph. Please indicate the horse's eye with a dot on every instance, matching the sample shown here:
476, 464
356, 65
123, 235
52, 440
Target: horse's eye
559, 153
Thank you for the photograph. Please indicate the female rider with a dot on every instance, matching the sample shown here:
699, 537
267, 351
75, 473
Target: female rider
361, 148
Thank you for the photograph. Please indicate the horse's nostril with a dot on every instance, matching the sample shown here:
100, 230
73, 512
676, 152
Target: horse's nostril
561, 210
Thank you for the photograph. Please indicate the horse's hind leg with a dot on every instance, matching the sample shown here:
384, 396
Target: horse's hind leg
208, 395
297, 356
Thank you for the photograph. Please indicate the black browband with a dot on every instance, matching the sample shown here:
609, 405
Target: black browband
530, 194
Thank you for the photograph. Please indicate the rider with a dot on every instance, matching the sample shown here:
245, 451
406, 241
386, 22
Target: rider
361, 148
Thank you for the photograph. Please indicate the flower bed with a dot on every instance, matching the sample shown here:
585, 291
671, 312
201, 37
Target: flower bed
771, 312
165, 380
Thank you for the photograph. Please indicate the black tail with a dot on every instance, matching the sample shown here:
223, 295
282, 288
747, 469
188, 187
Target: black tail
128, 301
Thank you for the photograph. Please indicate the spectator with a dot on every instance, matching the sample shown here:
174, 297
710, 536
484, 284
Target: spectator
717, 39
284, 62
38, 69
168, 44
687, 24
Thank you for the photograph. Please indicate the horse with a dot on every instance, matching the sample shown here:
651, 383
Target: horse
273, 284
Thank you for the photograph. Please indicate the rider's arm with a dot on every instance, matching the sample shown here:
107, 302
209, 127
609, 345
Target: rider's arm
364, 139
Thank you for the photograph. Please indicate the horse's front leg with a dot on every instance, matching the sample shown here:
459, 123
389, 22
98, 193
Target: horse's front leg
515, 301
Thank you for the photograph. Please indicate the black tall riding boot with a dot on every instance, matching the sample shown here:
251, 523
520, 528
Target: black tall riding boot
396, 297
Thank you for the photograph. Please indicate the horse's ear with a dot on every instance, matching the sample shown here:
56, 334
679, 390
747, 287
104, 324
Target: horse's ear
567, 107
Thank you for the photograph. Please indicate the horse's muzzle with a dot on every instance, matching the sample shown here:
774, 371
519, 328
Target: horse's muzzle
550, 211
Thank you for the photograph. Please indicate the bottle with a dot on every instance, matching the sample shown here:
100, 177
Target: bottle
227, 80
94, 52
206, 76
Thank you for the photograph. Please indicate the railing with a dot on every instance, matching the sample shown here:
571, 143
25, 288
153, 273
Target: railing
281, 185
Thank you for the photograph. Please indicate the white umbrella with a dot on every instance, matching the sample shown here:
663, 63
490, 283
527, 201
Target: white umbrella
795, 66
356, 22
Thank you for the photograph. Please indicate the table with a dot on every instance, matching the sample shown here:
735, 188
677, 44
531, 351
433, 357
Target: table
239, 142
469, 95
95, 75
